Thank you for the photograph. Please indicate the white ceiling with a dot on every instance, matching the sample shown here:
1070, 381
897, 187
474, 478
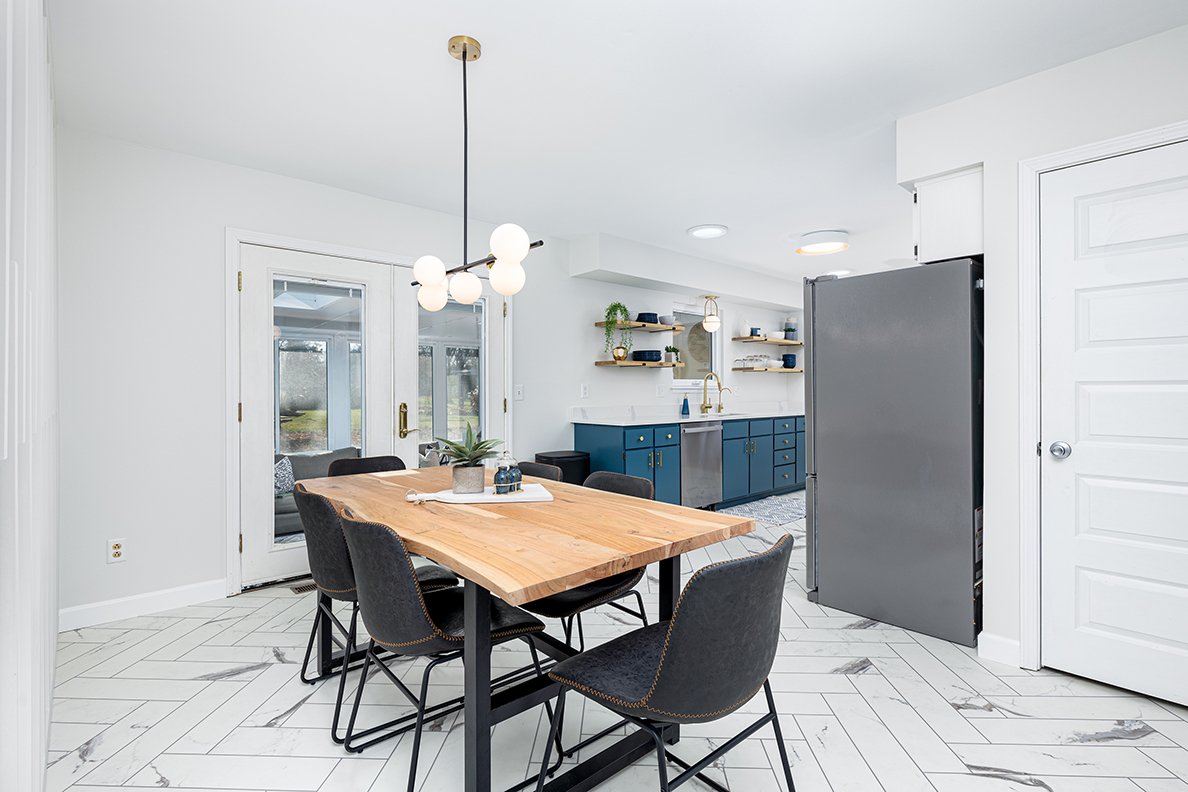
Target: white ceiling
636, 118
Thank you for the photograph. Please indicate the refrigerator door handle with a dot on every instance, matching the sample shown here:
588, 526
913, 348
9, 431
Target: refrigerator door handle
810, 536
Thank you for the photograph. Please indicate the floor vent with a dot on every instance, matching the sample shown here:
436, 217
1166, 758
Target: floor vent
303, 588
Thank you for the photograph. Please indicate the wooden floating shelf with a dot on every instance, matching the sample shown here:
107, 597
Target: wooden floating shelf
637, 364
767, 340
773, 370
646, 326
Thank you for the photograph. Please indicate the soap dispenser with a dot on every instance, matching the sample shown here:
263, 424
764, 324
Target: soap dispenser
685, 408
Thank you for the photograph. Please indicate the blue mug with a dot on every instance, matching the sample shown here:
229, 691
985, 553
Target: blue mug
755, 331
789, 361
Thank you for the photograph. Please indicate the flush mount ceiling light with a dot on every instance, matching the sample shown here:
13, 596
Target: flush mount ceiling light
708, 231
840, 273
822, 243
713, 314
509, 243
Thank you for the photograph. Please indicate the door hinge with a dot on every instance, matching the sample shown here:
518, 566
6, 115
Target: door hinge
505, 309
241, 543
916, 251
1039, 448
240, 280
915, 197
240, 412
505, 404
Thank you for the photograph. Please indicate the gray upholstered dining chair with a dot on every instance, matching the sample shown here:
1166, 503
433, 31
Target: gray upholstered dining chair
354, 465
541, 470
712, 657
404, 618
568, 606
333, 574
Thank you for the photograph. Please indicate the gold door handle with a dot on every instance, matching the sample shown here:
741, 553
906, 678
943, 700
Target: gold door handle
659, 459
403, 422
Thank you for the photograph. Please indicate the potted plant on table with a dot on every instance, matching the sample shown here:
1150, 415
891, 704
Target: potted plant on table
616, 312
672, 354
467, 459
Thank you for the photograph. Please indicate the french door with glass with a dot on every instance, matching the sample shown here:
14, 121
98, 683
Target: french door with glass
338, 360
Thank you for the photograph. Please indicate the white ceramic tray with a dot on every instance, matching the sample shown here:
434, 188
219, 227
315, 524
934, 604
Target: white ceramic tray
532, 493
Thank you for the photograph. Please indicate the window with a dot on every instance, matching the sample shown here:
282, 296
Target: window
450, 375
301, 382
697, 350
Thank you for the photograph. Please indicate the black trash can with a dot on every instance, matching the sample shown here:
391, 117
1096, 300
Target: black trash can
575, 465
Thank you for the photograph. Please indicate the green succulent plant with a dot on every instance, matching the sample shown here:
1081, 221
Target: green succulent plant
471, 451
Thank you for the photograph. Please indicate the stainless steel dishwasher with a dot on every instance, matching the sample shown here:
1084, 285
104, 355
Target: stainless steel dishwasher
701, 463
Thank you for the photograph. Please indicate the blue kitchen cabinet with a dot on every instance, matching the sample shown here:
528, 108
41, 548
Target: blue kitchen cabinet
666, 473
650, 452
736, 468
761, 464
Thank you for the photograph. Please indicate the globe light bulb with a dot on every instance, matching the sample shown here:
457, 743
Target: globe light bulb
433, 298
711, 323
465, 287
429, 269
507, 277
510, 243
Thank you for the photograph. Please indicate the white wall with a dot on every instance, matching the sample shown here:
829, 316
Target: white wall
28, 404
142, 238
1129, 89
142, 249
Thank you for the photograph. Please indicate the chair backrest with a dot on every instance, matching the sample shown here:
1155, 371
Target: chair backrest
723, 636
375, 464
620, 483
391, 602
541, 470
329, 559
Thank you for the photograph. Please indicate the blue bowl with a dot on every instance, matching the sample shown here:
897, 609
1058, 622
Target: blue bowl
789, 361
648, 318
646, 355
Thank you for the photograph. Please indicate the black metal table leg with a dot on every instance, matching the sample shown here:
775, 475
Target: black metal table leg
327, 663
670, 592
477, 677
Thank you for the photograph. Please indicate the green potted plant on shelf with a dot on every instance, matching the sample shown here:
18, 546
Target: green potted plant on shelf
616, 312
467, 459
672, 354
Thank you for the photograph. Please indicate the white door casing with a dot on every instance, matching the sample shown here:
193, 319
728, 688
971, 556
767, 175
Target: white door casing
1114, 362
262, 560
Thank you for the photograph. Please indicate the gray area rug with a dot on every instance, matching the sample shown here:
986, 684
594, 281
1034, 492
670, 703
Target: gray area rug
775, 510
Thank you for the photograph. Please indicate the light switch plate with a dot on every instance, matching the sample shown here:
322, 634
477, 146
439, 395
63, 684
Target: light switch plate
585, 391
519, 393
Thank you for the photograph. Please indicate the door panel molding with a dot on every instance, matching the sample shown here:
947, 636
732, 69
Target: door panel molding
1028, 358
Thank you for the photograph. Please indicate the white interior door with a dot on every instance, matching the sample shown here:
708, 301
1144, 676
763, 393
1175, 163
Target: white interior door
1114, 297
317, 341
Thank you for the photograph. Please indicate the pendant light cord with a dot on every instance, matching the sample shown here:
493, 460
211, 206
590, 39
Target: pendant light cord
465, 165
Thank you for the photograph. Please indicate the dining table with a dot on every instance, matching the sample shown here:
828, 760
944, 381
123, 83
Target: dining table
522, 552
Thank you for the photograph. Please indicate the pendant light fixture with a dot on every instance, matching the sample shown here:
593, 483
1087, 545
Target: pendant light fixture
713, 314
509, 243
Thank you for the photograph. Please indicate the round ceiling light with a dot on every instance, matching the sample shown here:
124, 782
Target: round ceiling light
708, 231
840, 273
822, 243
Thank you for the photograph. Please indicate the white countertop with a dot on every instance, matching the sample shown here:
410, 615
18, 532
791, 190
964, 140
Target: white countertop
630, 415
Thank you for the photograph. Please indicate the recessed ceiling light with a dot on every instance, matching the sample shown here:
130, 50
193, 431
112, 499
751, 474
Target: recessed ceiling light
840, 273
822, 243
708, 231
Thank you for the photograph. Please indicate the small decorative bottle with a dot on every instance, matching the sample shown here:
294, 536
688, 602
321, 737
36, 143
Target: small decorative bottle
516, 475
503, 477
685, 408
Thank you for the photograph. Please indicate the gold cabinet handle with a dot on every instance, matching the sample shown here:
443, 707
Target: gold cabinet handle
651, 459
668, 436
403, 423
641, 438
659, 459
785, 475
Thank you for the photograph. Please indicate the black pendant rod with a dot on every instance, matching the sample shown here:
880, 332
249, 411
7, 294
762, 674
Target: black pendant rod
489, 260
465, 164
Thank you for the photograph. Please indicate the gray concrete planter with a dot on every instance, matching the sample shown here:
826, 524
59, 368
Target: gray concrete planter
468, 480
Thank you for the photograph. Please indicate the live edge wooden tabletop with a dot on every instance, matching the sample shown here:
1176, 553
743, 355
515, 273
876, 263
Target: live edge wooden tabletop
522, 552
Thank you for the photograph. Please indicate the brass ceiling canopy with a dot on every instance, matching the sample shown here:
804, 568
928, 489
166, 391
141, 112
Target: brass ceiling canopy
465, 44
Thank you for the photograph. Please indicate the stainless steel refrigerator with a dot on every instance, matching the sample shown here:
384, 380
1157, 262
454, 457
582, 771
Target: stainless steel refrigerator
893, 407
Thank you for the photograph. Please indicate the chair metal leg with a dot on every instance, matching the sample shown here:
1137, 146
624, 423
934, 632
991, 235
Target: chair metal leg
313, 635
416, 746
661, 758
643, 614
775, 725
358, 696
554, 735
581, 634
342, 674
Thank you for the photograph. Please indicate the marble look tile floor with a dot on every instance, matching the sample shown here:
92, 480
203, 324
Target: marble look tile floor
207, 698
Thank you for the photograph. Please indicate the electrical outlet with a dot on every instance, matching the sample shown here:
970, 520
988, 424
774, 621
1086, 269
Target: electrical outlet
519, 393
585, 391
117, 551
661, 391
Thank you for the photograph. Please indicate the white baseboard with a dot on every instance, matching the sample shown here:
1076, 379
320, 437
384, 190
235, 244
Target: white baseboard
140, 604
999, 649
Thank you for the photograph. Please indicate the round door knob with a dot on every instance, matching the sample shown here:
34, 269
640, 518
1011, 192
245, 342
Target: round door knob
641, 438
1060, 449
